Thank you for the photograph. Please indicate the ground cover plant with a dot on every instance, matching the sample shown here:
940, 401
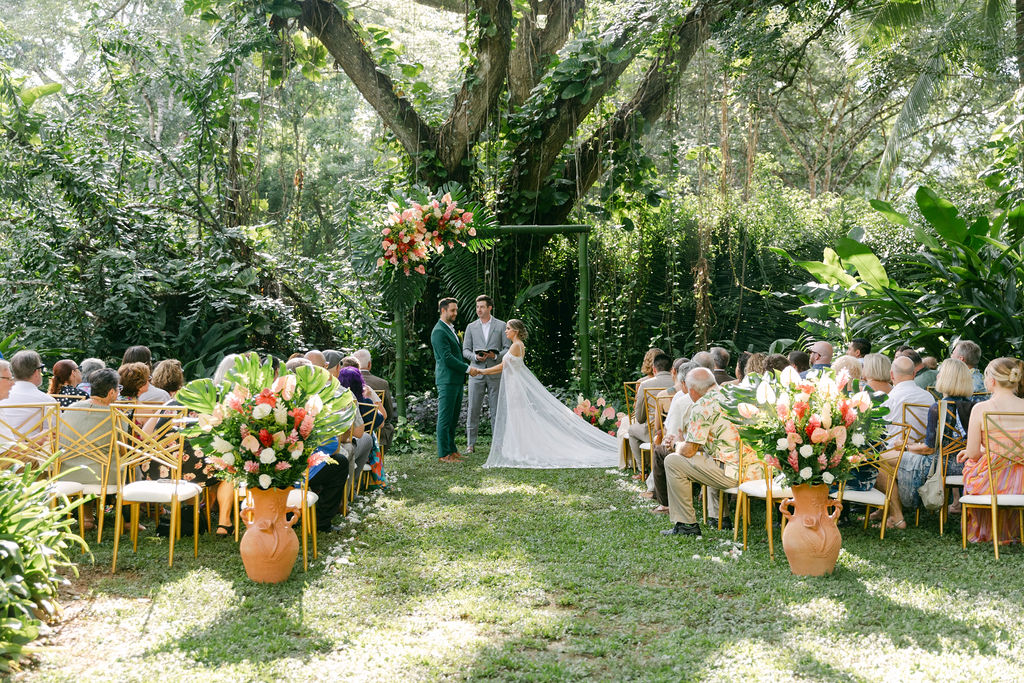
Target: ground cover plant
461, 573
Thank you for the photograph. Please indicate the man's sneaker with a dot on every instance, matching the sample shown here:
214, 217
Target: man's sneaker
681, 529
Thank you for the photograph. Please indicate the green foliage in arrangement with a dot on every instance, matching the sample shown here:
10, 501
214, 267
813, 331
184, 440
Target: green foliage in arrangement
35, 542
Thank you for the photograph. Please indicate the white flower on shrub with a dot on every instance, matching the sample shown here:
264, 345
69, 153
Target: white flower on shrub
268, 456
265, 481
782, 444
807, 450
261, 411
827, 477
857, 439
222, 446
806, 473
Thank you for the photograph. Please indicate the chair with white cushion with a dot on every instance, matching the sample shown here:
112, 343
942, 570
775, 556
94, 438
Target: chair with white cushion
163, 448
948, 447
91, 448
876, 498
1004, 453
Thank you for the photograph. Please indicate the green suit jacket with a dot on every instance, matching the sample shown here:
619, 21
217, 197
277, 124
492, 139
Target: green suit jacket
449, 368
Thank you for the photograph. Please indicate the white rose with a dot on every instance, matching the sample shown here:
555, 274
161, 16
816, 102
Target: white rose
807, 450
857, 439
261, 411
222, 446
268, 456
827, 477
805, 473
296, 453
229, 459
281, 414
782, 444
264, 481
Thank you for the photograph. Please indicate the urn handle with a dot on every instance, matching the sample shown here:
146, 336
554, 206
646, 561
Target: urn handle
295, 511
837, 507
786, 508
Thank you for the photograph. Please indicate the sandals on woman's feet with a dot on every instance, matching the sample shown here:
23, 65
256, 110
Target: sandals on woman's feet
229, 529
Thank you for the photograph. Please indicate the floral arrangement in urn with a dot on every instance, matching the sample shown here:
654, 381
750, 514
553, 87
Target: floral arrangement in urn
263, 430
600, 413
813, 430
414, 231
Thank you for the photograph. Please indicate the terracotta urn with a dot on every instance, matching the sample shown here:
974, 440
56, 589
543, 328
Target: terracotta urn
269, 546
811, 539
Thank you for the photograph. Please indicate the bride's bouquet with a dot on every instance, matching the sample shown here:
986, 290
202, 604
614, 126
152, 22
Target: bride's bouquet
600, 414
415, 231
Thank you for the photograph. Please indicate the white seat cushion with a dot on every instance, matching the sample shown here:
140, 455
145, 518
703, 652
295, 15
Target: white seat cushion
872, 497
645, 446
65, 488
159, 491
295, 498
1003, 499
758, 488
96, 489
955, 480
367, 468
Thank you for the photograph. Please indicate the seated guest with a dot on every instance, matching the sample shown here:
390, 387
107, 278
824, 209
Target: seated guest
877, 372
294, 364
6, 379
904, 391
721, 358
169, 376
775, 361
372, 418
970, 353
741, 368
87, 367
662, 379
317, 358
134, 381
800, 361
647, 370
64, 382
349, 362
674, 430
335, 361
956, 386
858, 348
848, 363
820, 354
709, 454
705, 360
27, 370
757, 364
1004, 380
923, 377
379, 384
142, 354
84, 423
931, 363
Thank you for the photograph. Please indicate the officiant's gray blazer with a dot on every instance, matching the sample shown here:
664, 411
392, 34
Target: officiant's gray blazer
474, 339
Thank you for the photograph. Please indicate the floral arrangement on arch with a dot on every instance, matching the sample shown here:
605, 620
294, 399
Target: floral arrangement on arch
600, 413
262, 430
813, 430
416, 231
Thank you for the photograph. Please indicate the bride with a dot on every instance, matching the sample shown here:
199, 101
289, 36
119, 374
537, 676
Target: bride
534, 429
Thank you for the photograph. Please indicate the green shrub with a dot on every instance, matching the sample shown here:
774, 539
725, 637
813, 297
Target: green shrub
34, 543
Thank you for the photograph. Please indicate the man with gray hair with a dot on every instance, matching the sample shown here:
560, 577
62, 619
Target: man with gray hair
906, 391
27, 370
87, 367
381, 386
721, 359
709, 454
704, 360
6, 379
674, 430
970, 353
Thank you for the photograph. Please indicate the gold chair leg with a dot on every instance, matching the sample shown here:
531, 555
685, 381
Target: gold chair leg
769, 526
133, 531
195, 525
995, 529
117, 533
302, 527
740, 516
81, 517
238, 521
942, 511
721, 507
867, 515
101, 504
963, 527
746, 518
917, 517
312, 520
175, 523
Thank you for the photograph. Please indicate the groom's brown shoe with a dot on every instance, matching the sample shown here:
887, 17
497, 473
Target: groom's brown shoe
449, 458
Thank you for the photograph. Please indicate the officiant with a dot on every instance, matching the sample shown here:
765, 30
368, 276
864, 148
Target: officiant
483, 346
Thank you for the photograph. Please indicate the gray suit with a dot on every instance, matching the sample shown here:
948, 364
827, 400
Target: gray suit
473, 340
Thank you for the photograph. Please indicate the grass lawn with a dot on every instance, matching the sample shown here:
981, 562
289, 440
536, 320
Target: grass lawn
465, 573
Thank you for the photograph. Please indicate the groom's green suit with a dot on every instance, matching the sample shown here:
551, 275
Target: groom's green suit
450, 376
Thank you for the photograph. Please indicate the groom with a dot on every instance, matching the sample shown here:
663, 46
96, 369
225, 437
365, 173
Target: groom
450, 375
486, 334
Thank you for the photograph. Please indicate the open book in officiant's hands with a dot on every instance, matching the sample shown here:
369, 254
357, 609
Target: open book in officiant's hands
480, 353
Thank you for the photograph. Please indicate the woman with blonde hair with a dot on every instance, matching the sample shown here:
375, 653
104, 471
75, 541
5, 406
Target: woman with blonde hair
647, 367
876, 370
848, 363
1004, 378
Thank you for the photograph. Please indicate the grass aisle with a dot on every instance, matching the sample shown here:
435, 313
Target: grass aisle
466, 573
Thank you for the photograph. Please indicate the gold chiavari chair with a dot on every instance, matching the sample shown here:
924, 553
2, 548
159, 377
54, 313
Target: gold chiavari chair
876, 498
28, 434
85, 437
1004, 452
162, 448
629, 389
71, 398
653, 407
949, 446
915, 416
763, 488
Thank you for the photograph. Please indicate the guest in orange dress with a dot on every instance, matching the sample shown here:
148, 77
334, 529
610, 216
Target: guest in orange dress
1004, 378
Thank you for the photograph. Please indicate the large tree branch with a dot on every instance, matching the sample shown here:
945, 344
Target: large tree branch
481, 86
534, 45
339, 36
647, 104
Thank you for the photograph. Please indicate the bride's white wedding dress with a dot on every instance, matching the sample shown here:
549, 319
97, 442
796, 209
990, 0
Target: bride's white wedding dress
534, 429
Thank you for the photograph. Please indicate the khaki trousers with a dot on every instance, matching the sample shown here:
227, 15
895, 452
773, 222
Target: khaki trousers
681, 472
